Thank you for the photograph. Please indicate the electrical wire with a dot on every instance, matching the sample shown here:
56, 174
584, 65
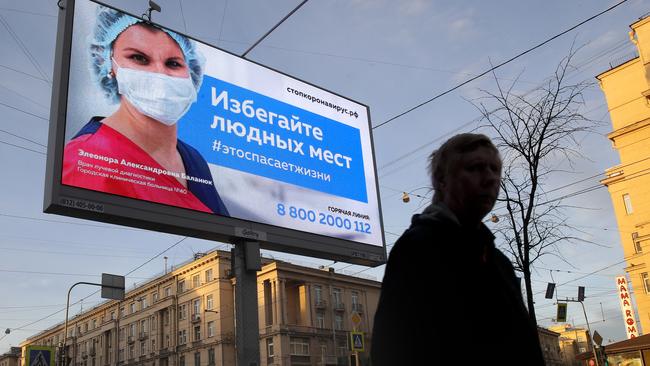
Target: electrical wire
22, 147
24, 111
84, 298
499, 65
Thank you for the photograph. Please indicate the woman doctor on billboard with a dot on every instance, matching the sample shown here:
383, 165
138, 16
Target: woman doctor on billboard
154, 74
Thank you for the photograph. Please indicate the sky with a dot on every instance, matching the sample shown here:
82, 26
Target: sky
390, 55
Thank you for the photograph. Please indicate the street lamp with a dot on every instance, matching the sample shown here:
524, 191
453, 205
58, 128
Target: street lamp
406, 196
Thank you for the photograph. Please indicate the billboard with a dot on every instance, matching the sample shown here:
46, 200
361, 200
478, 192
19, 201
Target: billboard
153, 129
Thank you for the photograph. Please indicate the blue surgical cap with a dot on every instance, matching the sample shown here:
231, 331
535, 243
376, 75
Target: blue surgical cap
110, 24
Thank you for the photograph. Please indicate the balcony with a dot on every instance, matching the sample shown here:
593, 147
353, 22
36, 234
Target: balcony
84, 354
142, 336
130, 339
91, 351
357, 307
321, 304
196, 318
339, 306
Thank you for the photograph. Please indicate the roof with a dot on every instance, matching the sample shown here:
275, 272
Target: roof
637, 343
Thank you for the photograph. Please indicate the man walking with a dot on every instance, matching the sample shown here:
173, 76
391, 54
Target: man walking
448, 295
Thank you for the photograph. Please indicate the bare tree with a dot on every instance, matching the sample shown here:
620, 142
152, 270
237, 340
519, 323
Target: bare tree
537, 133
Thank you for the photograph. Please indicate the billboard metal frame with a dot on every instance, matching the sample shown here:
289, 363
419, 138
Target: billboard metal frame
104, 207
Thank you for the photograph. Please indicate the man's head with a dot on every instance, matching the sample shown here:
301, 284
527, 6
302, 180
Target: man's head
466, 174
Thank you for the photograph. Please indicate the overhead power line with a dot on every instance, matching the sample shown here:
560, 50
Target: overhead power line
84, 298
274, 27
22, 147
501, 64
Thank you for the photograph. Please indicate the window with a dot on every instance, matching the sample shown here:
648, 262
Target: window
154, 296
337, 296
182, 312
132, 330
143, 326
182, 336
121, 355
637, 242
122, 311
210, 329
181, 286
153, 323
299, 347
132, 308
355, 302
122, 333
168, 291
197, 333
153, 344
196, 281
165, 316
269, 347
628, 204
196, 306
197, 359
131, 351
320, 319
208, 275
94, 323
209, 302
646, 282
338, 322
112, 315
318, 293
143, 304
181, 361
143, 349
85, 327
211, 356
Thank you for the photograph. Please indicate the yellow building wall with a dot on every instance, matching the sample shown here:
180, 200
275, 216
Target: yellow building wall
196, 300
627, 88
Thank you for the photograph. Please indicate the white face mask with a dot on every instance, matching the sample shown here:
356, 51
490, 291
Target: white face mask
159, 96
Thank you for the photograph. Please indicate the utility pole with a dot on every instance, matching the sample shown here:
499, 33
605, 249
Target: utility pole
591, 339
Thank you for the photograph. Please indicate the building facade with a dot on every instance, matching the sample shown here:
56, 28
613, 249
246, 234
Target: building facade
186, 318
572, 342
627, 90
550, 343
11, 358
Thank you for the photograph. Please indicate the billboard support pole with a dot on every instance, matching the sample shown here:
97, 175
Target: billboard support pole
246, 262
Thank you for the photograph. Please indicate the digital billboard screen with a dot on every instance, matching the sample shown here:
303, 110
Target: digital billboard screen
155, 129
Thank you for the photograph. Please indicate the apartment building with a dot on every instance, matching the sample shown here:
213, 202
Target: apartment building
627, 90
11, 358
186, 318
572, 342
550, 344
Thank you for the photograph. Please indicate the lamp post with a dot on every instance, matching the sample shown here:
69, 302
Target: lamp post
112, 288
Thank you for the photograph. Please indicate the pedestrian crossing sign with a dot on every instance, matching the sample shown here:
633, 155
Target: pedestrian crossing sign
356, 340
39, 356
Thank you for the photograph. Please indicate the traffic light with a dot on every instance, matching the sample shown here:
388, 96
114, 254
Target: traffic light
550, 288
581, 293
561, 312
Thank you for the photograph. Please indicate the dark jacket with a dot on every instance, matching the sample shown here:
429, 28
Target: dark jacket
450, 297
